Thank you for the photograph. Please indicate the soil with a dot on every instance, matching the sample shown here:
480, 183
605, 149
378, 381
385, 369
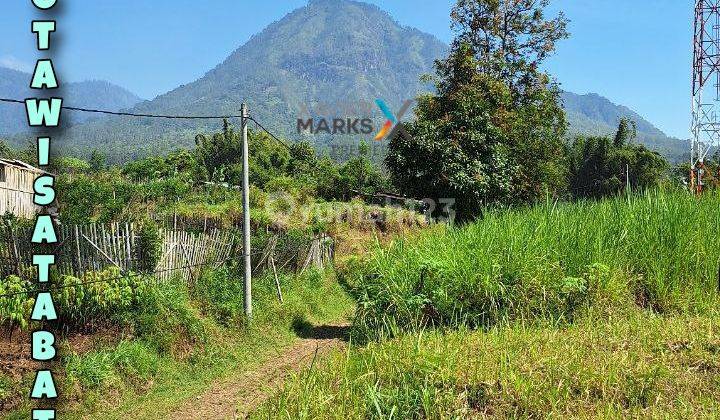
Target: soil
238, 396
15, 361
17, 365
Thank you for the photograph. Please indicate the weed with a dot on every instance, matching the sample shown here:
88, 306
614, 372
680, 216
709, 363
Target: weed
6, 387
182, 339
91, 370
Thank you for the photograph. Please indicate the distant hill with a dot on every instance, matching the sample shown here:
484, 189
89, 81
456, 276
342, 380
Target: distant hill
594, 115
330, 53
89, 94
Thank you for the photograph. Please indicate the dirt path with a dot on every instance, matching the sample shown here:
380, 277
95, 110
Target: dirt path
236, 397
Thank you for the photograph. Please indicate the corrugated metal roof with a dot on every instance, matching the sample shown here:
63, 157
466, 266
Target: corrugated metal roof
22, 165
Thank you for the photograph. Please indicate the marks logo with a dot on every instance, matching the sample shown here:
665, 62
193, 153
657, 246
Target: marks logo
392, 122
354, 125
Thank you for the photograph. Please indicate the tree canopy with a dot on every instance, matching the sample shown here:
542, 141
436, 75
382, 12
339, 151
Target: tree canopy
492, 134
601, 167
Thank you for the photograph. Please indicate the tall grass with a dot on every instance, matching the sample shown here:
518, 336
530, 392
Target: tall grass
659, 250
641, 366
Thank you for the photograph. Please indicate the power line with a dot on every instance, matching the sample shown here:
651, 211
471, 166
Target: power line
170, 117
270, 134
68, 286
131, 114
244, 117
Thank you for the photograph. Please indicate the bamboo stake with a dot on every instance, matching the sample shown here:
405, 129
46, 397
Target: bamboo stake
277, 280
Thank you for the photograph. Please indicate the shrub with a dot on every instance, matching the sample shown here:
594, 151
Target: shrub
221, 295
95, 298
98, 297
91, 370
15, 307
168, 322
149, 245
135, 360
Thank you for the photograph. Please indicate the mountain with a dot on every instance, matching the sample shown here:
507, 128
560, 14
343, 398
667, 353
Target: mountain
90, 94
331, 58
336, 54
594, 115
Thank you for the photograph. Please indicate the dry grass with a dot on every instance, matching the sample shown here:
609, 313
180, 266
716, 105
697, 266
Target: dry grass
643, 365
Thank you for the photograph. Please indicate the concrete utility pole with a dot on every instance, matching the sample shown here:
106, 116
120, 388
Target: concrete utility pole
246, 213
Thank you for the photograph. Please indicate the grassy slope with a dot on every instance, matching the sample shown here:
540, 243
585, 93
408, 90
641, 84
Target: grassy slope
589, 309
642, 365
181, 347
660, 250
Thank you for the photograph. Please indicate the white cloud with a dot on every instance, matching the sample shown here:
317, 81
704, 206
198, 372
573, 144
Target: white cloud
14, 63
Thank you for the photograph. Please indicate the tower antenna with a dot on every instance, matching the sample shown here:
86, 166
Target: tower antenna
705, 88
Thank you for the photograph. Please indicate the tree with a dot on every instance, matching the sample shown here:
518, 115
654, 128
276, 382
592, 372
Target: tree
325, 178
218, 151
7, 152
69, 165
268, 159
359, 176
511, 38
627, 131
97, 161
600, 167
221, 156
492, 134
303, 160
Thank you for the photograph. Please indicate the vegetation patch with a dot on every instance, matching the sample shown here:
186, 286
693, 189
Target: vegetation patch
550, 262
175, 340
641, 365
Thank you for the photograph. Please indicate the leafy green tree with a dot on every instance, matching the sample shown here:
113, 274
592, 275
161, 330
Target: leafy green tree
219, 151
69, 165
492, 134
6, 151
268, 159
510, 37
359, 176
303, 160
102, 197
98, 161
181, 163
153, 167
627, 131
221, 156
601, 167
326, 178
28, 153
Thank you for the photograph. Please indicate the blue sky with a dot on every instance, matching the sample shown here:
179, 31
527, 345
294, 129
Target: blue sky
636, 53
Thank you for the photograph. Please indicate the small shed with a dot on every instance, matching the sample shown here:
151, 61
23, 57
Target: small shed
16, 188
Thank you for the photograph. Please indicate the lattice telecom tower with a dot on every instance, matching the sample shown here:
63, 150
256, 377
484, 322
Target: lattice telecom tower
706, 88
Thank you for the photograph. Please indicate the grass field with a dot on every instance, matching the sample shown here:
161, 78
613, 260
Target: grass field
641, 365
181, 340
659, 251
590, 310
